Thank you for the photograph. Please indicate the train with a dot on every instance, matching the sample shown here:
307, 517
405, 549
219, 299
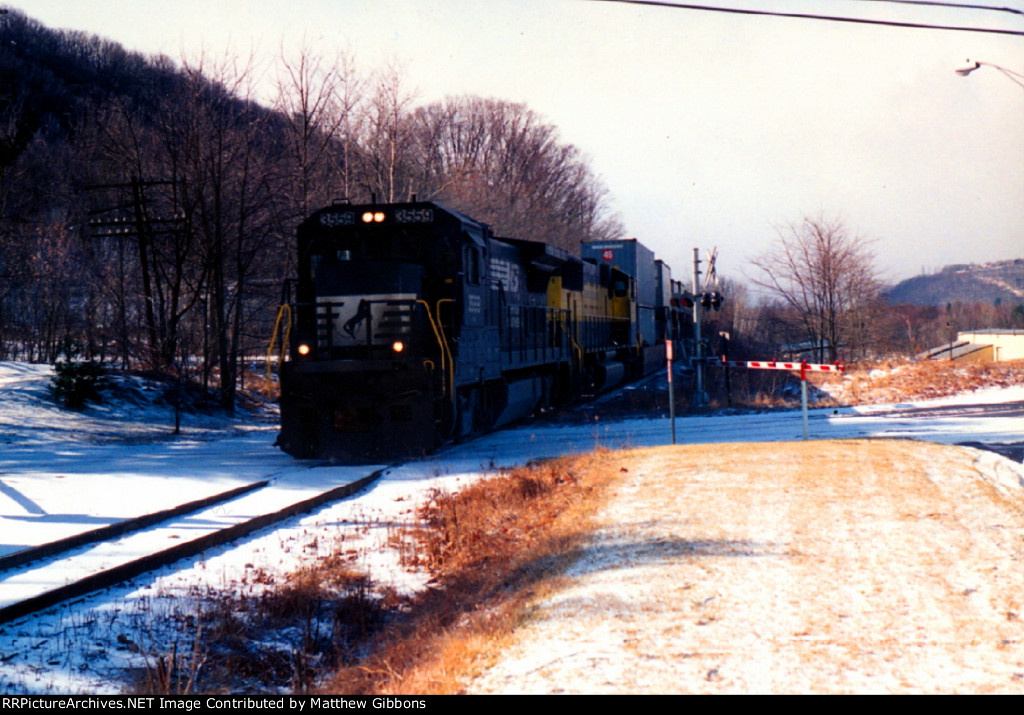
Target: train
413, 325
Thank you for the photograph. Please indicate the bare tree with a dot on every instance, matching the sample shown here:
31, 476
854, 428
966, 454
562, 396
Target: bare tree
388, 137
317, 99
827, 275
500, 162
233, 187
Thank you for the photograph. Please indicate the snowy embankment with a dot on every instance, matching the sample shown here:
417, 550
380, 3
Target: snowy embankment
61, 472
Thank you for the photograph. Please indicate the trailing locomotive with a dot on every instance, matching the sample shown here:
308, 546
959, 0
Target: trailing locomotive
414, 325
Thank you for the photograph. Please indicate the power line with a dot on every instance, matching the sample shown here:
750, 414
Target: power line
955, 5
808, 16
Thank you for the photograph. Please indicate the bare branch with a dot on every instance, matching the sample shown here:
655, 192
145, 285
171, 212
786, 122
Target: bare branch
826, 275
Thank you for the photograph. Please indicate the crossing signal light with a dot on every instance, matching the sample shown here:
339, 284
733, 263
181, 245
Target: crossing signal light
712, 299
684, 300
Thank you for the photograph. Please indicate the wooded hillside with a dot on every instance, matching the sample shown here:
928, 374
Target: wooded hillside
148, 208
996, 283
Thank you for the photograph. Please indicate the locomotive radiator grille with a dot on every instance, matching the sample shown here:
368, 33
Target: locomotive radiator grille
326, 312
395, 321
364, 321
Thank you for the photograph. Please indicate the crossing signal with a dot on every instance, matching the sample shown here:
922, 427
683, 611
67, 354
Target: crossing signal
684, 300
712, 299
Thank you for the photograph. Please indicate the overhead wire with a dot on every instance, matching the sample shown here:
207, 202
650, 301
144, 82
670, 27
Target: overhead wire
953, 5
812, 16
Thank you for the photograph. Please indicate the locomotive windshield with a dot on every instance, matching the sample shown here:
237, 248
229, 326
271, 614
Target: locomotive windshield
363, 245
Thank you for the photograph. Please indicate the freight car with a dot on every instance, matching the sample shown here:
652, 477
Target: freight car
414, 325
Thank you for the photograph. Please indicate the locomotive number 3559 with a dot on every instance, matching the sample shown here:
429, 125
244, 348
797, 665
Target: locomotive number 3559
414, 216
338, 218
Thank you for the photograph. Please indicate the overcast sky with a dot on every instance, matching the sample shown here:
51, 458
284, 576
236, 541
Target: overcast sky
709, 129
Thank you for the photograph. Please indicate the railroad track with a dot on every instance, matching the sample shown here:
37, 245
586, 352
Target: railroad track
104, 557
39, 577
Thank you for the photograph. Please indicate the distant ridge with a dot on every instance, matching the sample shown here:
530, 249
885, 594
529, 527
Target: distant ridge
999, 282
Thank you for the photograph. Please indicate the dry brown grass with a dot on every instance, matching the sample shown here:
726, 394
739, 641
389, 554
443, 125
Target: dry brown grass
271, 633
492, 548
893, 381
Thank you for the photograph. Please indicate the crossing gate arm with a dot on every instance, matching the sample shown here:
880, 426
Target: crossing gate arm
804, 367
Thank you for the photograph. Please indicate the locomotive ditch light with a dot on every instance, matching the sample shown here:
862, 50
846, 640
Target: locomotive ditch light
398, 346
304, 349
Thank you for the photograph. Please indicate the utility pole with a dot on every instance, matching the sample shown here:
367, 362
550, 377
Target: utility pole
134, 220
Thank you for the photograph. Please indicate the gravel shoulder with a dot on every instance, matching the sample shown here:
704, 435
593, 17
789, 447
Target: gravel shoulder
858, 566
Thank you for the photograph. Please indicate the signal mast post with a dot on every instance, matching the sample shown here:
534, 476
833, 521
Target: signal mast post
803, 396
671, 390
700, 397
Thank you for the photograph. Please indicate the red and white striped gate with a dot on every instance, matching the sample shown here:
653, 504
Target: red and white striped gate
803, 366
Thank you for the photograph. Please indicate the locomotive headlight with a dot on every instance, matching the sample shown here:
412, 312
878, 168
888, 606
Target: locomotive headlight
378, 217
373, 217
368, 217
304, 349
398, 346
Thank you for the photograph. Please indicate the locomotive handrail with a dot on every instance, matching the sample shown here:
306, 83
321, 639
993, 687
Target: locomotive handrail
451, 362
447, 361
281, 310
437, 333
575, 343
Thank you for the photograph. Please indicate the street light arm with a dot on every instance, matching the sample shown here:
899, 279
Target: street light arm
1014, 76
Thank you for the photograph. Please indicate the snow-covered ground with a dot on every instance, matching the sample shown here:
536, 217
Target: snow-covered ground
63, 473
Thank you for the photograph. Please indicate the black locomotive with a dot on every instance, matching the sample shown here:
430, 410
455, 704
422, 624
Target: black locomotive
414, 325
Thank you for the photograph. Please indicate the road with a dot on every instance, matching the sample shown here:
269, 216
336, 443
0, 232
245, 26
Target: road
990, 417
859, 566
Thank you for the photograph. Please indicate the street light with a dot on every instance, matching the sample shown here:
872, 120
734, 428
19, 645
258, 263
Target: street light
1016, 77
